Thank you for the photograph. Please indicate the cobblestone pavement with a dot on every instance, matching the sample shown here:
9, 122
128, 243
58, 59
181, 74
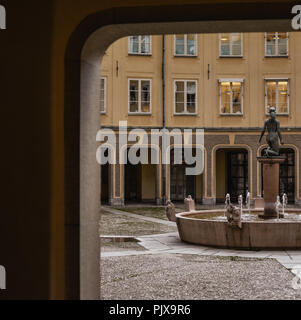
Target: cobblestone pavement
257, 274
167, 276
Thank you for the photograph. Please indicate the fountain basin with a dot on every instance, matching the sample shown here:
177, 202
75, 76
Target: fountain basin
254, 235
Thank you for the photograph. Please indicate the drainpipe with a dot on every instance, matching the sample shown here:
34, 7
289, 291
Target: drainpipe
164, 80
163, 115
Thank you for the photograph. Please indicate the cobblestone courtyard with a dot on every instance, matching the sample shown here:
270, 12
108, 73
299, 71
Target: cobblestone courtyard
143, 258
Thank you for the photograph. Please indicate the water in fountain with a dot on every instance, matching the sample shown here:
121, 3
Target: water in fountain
284, 203
252, 215
278, 204
248, 202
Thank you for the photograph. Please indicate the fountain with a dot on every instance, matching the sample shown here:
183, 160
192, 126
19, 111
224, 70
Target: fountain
249, 229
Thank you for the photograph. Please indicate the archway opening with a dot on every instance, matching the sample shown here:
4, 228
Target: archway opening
83, 57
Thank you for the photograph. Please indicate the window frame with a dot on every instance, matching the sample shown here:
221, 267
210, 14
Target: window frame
231, 80
105, 95
139, 97
139, 53
266, 80
185, 46
231, 50
276, 55
186, 113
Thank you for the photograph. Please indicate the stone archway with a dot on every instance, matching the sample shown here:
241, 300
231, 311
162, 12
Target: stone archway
83, 58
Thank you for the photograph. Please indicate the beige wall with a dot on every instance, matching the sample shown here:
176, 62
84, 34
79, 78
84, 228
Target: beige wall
253, 68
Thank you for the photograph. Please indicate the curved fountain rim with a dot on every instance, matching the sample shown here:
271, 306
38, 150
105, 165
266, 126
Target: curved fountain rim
183, 215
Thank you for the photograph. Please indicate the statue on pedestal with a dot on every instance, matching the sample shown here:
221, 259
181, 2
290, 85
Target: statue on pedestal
273, 127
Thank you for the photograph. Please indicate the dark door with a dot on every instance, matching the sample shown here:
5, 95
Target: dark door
105, 184
287, 175
177, 182
133, 183
237, 174
181, 186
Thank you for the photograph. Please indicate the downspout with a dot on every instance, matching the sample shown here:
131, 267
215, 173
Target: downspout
164, 80
164, 114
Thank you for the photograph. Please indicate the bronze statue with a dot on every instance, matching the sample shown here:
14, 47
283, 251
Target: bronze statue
273, 127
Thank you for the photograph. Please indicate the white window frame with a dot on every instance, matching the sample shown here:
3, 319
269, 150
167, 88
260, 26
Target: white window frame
139, 112
242, 81
231, 49
276, 46
186, 113
186, 54
105, 95
139, 53
266, 80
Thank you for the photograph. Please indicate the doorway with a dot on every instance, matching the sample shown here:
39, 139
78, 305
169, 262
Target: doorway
232, 174
133, 180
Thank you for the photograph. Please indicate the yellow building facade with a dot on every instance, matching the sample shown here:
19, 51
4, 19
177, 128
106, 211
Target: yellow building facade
222, 83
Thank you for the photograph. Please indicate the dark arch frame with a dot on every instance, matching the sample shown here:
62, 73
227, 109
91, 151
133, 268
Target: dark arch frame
160, 19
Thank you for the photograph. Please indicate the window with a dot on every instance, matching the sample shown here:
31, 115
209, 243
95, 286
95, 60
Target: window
103, 85
277, 95
185, 97
139, 96
276, 44
231, 96
231, 44
185, 45
140, 45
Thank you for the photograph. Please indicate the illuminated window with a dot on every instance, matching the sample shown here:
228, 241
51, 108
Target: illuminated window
231, 44
139, 96
276, 44
277, 95
231, 96
140, 45
185, 97
185, 45
103, 85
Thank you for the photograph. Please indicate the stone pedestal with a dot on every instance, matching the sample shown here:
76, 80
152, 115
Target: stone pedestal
270, 185
259, 203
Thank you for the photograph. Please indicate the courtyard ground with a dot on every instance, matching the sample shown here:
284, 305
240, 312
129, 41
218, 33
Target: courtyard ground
144, 259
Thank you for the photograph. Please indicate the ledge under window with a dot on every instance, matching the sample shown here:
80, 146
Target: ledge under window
279, 114
231, 57
231, 114
185, 56
140, 54
277, 56
139, 114
185, 114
